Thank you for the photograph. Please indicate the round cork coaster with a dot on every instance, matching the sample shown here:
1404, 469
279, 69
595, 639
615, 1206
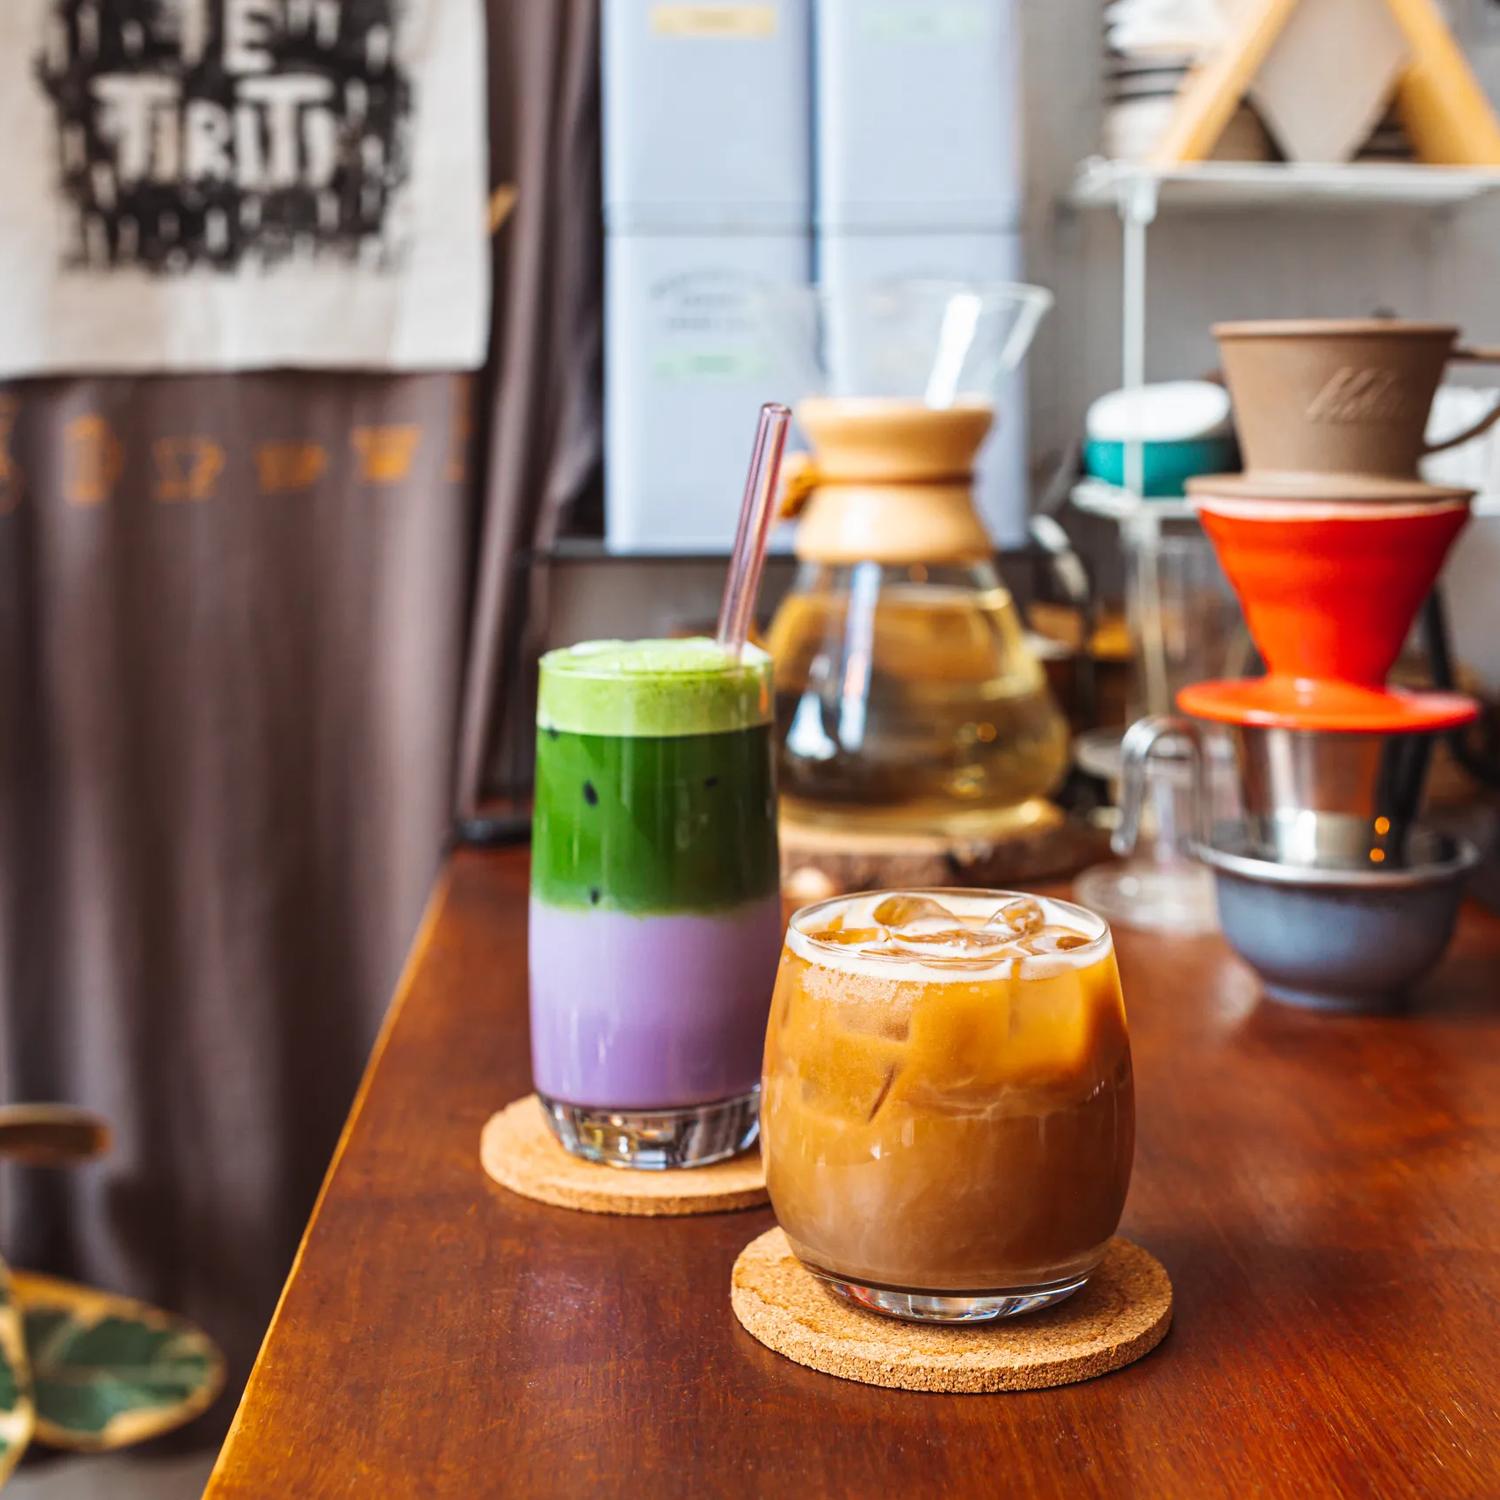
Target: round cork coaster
520, 1152
1122, 1313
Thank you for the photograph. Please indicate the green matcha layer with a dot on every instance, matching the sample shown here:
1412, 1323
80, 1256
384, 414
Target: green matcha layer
671, 823
653, 688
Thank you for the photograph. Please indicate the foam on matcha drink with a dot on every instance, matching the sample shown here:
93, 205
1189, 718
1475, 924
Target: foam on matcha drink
655, 906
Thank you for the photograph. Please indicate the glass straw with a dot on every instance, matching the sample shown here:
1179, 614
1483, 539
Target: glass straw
756, 512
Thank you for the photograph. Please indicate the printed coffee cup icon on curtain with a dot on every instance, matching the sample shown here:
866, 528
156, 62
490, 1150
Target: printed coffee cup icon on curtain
12, 481
210, 132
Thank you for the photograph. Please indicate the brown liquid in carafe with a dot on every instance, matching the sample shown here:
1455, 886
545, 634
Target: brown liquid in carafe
908, 695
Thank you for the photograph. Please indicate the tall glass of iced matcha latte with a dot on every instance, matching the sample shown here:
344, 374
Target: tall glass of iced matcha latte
655, 913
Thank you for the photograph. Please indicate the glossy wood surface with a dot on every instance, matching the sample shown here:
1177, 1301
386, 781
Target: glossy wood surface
1324, 1191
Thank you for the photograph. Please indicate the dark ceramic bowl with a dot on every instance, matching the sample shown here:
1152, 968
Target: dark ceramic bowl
1350, 940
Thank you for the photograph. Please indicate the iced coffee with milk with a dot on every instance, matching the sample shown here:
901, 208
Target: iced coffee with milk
947, 1112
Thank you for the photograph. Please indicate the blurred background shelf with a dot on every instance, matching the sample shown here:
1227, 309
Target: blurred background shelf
1112, 502
1229, 185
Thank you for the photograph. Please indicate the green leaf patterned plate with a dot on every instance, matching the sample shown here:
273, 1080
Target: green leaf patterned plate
108, 1371
17, 1412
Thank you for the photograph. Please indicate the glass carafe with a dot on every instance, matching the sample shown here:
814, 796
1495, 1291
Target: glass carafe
906, 695
1185, 625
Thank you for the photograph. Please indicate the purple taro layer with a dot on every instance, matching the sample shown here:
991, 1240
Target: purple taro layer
650, 1011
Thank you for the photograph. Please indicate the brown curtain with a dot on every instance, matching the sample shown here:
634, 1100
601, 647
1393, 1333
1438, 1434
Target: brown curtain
231, 617
242, 620
542, 405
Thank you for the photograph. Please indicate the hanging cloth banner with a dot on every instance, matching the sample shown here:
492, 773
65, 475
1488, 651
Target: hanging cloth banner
237, 184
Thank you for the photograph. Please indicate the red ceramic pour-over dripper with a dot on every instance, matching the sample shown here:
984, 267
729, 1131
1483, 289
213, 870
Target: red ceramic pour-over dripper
1329, 590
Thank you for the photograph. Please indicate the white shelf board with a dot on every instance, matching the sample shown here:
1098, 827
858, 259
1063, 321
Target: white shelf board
1094, 497
1235, 184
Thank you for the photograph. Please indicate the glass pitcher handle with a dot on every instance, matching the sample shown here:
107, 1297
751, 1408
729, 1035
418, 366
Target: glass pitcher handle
1077, 588
1136, 750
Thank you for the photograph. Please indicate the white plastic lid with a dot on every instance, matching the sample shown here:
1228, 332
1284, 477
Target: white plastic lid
1175, 411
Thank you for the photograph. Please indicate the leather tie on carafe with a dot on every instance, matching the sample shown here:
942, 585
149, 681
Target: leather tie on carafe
876, 504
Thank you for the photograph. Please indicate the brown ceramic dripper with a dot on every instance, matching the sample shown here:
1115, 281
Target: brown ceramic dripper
1341, 396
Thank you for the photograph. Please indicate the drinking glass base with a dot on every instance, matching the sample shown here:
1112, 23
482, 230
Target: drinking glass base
952, 1307
654, 1140
1155, 897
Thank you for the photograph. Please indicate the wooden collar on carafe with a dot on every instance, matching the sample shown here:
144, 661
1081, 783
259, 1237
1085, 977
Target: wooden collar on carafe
888, 481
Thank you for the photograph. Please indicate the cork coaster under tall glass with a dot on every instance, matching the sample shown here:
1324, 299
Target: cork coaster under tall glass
948, 1113
655, 909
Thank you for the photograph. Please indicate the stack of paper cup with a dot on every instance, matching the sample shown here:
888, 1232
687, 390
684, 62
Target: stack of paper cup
1149, 48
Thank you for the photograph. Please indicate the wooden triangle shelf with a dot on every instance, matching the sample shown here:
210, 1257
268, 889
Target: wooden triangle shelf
1442, 108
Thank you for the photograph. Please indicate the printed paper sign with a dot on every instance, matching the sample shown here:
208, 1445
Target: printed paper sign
241, 183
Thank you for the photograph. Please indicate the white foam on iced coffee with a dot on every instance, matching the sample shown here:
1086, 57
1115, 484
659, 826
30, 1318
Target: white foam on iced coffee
972, 909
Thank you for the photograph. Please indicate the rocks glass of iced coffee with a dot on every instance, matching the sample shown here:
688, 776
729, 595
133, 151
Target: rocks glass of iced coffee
947, 1113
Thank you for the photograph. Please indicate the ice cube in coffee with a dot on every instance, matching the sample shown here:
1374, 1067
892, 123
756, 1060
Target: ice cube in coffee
947, 1106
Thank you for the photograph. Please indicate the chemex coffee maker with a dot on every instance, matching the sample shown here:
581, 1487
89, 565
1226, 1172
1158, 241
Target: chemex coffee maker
1328, 884
908, 701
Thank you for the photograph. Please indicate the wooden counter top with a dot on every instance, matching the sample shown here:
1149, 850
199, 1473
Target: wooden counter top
1324, 1191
